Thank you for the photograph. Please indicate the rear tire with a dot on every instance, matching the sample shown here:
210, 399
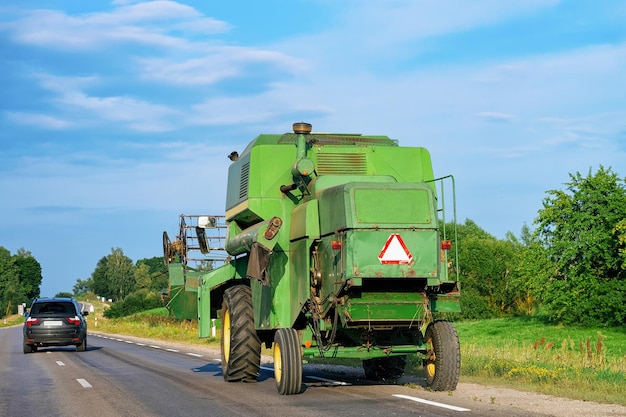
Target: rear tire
29, 348
83, 346
287, 362
241, 346
442, 365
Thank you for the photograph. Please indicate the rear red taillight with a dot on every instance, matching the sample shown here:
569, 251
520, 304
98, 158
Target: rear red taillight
31, 320
446, 245
73, 320
336, 245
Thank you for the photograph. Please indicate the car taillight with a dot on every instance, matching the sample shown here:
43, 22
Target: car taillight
31, 320
73, 320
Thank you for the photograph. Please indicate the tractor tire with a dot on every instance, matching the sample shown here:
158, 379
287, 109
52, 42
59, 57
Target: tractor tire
442, 365
287, 362
382, 369
241, 346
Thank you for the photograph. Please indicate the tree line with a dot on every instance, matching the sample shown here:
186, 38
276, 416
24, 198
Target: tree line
571, 268
20, 280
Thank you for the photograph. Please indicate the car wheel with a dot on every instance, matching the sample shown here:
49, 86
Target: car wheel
29, 348
83, 346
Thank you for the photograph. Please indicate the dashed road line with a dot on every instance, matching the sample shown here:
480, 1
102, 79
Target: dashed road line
433, 403
197, 355
60, 363
83, 383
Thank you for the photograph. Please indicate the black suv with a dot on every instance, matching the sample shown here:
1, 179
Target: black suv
55, 322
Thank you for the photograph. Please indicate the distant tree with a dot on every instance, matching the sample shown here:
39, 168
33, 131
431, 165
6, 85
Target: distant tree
64, 294
489, 272
143, 280
582, 231
120, 274
9, 282
114, 276
29, 274
157, 273
83, 286
155, 264
99, 283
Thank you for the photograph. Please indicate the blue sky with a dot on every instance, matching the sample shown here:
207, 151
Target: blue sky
117, 116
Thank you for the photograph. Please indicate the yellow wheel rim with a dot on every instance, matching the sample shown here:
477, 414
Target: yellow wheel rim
278, 364
430, 369
226, 335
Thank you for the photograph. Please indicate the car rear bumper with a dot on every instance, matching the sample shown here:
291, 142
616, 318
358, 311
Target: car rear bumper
49, 337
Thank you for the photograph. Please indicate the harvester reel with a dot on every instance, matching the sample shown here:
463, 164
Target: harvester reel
168, 251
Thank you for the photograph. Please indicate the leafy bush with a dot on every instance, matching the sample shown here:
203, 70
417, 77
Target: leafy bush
134, 303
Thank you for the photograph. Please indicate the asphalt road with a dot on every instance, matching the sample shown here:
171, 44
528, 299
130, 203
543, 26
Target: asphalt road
120, 376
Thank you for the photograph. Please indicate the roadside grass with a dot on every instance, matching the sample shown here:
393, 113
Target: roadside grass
11, 320
587, 364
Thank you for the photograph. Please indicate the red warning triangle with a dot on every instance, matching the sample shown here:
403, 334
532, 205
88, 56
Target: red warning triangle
395, 251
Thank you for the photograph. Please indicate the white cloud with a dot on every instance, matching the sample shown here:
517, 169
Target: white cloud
495, 116
216, 64
135, 114
147, 23
40, 121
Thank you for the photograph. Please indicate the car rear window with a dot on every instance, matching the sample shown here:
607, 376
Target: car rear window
53, 309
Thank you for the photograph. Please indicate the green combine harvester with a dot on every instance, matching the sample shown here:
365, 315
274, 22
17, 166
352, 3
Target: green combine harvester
333, 246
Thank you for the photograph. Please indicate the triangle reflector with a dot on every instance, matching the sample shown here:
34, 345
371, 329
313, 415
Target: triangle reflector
395, 251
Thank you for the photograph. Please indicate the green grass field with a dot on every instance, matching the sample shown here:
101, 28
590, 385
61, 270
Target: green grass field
523, 353
581, 363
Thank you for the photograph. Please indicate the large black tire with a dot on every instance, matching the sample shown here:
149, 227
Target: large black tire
241, 346
442, 365
381, 369
287, 362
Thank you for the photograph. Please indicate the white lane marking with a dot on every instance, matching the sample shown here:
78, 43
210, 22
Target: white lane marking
84, 383
332, 381
319, 378
158, 347
60, 363
436, 404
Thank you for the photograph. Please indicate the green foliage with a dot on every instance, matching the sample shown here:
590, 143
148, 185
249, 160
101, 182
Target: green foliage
582, 232
83, 286
114, 276
20, 278
134, 303
491, 284
29, 273
64, 294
